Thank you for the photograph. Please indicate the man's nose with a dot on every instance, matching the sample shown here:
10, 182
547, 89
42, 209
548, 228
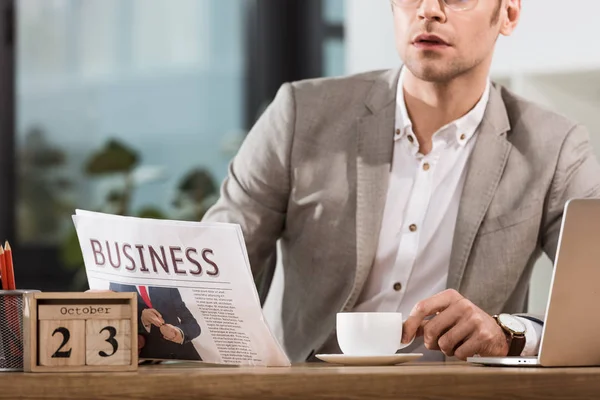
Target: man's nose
432, 10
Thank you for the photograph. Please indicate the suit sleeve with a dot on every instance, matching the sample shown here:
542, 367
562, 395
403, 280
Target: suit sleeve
188, 324
141, 306
256, 191
577, 175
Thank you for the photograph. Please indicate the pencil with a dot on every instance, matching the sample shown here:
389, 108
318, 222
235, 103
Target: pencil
10, 269
11, 305
3, 270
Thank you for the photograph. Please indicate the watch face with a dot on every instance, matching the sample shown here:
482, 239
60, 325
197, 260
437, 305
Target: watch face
512, 323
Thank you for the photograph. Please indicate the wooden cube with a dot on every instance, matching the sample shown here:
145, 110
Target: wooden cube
62, 343
108, 342
83, 311
65, 332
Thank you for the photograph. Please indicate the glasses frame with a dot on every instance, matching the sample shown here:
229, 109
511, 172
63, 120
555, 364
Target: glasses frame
469, 7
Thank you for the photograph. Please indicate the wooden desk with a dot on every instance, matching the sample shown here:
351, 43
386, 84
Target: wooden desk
314, 381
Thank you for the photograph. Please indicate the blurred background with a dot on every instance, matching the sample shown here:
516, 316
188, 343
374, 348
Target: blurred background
136, 107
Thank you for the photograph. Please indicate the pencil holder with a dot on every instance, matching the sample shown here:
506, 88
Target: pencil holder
12, 308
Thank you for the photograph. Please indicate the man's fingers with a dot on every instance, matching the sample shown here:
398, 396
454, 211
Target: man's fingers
439, 325
456, 337
413, 327
421, 329
435, 304
427, 308
155, 317
155, 320
168, 332
468, 349
171, 333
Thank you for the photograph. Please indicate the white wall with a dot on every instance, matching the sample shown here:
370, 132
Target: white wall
369, 36
573, 94
552, 58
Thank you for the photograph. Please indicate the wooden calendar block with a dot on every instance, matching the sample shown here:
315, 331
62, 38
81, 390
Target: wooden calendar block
62, 343
84, 311
73, 332
108, 342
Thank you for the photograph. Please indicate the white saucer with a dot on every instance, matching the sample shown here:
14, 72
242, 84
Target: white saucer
346, 359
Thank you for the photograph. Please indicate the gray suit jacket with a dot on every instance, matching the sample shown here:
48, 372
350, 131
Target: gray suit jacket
313, 172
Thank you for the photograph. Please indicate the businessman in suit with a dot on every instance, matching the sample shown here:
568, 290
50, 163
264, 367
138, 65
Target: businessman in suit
426, 189
167, 325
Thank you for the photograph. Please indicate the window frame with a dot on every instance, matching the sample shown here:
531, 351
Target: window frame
296, 31
7, 120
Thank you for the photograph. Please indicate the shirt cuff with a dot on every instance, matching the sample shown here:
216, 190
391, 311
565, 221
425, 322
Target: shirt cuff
533, 337
182, 336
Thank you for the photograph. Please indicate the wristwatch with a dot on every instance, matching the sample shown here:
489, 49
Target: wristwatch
515, 330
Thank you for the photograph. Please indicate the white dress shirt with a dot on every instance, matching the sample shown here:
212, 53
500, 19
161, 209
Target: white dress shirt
424, 193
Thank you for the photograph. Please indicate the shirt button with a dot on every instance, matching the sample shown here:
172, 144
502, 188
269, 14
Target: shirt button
411, 139
397, 286
463, 136
426, 167
413, 228
398, 132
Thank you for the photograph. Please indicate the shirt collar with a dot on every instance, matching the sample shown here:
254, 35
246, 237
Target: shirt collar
465, 126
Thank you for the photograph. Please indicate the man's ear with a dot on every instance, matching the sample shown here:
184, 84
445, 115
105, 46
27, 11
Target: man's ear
510, 20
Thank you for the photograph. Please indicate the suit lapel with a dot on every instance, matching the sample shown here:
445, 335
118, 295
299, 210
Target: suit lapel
485, 169
375, 141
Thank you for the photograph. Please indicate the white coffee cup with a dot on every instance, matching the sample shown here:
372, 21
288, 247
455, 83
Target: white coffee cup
370, 334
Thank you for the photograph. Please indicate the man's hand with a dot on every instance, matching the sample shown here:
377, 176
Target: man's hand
458, 327
152, 317
171, 333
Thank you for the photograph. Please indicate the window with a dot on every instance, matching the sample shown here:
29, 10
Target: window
136, 107
333, 41
125, 106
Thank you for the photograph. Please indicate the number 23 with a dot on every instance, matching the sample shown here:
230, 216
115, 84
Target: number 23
60, 353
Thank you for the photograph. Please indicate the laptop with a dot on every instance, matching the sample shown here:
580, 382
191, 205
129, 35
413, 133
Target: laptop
571, 333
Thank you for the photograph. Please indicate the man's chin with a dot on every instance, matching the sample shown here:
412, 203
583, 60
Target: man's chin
439, 71
434, 75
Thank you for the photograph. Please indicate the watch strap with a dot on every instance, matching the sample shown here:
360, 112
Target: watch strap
516, 342
516, 345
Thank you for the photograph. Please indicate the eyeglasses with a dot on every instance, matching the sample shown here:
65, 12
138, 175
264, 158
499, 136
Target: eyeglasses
456, 5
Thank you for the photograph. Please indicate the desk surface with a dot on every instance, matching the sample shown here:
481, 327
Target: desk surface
314, 381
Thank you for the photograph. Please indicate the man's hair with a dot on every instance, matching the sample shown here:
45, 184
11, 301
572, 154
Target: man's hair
496, 13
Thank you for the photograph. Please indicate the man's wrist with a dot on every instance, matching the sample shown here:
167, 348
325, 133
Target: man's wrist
182, 335
504, 338
514, 331
533, 336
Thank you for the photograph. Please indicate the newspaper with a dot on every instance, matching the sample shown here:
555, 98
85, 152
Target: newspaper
196, 295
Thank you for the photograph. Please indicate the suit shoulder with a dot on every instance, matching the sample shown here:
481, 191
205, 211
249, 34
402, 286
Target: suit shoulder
363, 77
538, 122
329, 86
325, 102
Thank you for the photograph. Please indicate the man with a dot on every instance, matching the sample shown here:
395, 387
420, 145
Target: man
426, 190
166, 325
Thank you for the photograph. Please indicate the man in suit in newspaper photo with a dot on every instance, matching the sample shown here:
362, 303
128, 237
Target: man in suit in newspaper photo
166, 324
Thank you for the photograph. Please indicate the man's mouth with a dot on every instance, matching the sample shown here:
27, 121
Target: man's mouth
429, 41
